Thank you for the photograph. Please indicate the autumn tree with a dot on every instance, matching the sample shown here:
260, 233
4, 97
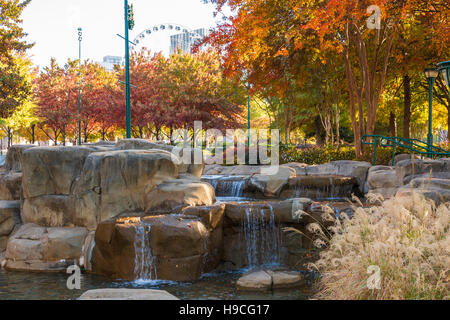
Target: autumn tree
56, 92
14, 85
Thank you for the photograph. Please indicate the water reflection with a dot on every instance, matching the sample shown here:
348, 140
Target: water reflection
52, 286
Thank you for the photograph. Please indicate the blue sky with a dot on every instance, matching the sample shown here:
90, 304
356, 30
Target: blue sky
52, 25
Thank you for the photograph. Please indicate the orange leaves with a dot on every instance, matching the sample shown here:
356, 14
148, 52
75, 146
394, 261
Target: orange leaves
282, 52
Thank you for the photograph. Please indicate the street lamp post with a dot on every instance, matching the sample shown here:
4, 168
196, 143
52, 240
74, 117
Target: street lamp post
127, 70
431, 74
80, 38
248, 121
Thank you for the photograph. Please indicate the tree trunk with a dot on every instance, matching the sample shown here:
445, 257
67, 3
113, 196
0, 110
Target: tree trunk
406, 106
85, 135
171, 137
64, 135
318, 129
392, 125
338, 119
33, 127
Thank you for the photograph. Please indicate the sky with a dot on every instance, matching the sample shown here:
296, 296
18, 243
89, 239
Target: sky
53, 24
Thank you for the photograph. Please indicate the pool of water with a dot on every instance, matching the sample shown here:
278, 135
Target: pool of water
214, 286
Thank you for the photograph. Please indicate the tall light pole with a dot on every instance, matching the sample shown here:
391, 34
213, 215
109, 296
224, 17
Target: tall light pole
431, 74
248, 120
127, 70
80, 38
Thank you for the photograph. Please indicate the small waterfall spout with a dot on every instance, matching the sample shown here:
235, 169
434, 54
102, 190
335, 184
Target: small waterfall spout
144, 261
227, 186
262, 237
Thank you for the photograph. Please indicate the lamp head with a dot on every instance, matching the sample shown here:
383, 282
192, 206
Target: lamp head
431, 73
444, 67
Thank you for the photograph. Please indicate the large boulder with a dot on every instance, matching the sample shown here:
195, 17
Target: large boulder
211, 216
127, 294
417, 167
10, 185
437, 190
404, 156
36, 248
384, 180
9, 220
357, 169
141, 144
91, 187
271, 185
175, 195
185, 155
117, 182
50, 211
52, 170
14, 157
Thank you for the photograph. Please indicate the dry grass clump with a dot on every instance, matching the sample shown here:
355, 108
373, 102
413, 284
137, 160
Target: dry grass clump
407, 238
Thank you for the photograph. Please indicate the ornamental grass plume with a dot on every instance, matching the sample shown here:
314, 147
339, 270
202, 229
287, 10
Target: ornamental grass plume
405, 237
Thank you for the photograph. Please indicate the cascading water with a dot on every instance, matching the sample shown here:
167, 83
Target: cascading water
328, 192
144, 261
262, 238
227, 186
233, 188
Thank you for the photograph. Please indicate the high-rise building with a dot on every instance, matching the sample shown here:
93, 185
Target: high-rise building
186, 40
110, 61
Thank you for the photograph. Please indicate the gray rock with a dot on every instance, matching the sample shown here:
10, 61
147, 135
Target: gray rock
14, 157
255, 281
127, 294
10, 185
36, 248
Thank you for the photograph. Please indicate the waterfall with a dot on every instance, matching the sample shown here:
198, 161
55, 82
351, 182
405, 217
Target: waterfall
327, 192
232, 188
227, 186
262, 237
144, 261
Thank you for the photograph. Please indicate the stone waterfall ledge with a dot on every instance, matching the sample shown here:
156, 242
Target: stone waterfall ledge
36, 248
286, 211
295, 175
171, 247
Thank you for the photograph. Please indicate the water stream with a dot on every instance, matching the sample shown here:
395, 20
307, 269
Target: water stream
144, 261
227, 186
262, 238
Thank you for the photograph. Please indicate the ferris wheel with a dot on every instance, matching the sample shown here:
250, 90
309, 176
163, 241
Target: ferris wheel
168, 35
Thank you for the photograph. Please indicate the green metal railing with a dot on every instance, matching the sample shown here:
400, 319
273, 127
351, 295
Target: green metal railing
413, 145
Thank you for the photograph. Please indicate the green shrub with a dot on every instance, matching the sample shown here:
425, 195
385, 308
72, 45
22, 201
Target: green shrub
290, 153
